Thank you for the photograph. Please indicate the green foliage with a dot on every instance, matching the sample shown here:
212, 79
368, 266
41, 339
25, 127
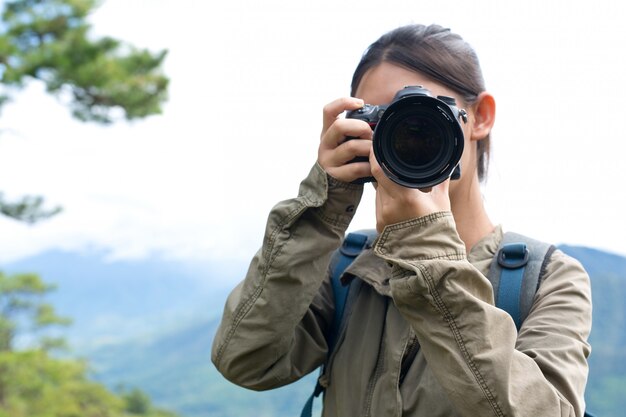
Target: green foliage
48, 40
35, 384
28, 209
100, 80
137, 402
32, 384
22, 309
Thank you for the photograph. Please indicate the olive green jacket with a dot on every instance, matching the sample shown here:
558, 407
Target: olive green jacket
423, 337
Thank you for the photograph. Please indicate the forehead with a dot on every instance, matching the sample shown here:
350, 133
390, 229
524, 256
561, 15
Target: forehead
381, 83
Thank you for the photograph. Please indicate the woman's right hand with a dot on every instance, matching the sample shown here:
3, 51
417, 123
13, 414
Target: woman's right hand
335, 151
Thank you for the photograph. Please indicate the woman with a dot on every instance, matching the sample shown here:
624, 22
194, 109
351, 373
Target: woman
424, 280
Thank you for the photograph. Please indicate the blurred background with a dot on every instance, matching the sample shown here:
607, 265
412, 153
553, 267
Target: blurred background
143, 143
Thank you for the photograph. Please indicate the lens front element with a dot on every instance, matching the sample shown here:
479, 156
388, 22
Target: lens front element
416, 141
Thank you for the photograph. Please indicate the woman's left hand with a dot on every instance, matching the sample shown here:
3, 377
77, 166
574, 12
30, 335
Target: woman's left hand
395, 203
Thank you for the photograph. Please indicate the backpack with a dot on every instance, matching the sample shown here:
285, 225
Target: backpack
515, 277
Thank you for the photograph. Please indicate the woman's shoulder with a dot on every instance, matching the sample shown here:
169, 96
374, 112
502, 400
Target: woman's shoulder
563, 267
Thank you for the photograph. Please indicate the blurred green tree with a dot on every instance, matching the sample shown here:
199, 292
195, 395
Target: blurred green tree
33, 383
137, 402
101, 80
23, 310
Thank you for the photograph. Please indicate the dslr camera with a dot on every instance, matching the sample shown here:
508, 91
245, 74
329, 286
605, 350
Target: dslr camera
418, 140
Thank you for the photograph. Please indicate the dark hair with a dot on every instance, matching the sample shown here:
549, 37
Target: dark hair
437, 53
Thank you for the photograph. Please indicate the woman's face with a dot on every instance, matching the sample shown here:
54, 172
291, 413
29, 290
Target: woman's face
380, 84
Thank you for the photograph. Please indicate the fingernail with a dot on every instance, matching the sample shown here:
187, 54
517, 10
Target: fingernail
359, 102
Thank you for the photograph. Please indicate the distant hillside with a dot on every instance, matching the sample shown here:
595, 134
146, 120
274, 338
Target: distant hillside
112, 301
176, 371
595, 261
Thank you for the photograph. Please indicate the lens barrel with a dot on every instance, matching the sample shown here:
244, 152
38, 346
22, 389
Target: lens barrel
418, 139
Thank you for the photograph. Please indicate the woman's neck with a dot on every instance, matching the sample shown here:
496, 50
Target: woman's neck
470, 216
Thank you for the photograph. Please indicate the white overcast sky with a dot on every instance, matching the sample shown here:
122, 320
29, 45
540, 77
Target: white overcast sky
248, 82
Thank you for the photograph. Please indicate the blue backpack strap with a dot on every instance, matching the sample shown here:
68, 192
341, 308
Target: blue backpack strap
512, 258
516, 273
352, 246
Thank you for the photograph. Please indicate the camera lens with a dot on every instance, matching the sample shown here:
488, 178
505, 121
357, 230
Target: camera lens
418, 142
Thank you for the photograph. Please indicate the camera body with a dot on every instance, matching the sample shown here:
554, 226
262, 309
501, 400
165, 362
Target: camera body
418, 139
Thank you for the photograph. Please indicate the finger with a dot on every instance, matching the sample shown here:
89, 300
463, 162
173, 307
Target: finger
333, 109
347, 151
350, 172
344, 128
378, 173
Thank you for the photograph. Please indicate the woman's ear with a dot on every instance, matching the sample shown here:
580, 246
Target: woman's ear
484, 116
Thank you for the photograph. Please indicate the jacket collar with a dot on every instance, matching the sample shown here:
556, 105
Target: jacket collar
371, 269
377, 273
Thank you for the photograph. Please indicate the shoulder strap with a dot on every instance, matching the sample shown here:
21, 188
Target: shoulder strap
516, 273
352, 246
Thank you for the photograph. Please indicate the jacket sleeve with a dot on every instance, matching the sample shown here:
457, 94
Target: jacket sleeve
274, 323
473, 348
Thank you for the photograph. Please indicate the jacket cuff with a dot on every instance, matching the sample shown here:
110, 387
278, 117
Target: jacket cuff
425, 238
335, 201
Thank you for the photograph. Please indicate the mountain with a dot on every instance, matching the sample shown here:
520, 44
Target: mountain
177, 373
111, 301
158, 320
149, 324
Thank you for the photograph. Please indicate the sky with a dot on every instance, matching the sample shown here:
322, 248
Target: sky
241, 127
